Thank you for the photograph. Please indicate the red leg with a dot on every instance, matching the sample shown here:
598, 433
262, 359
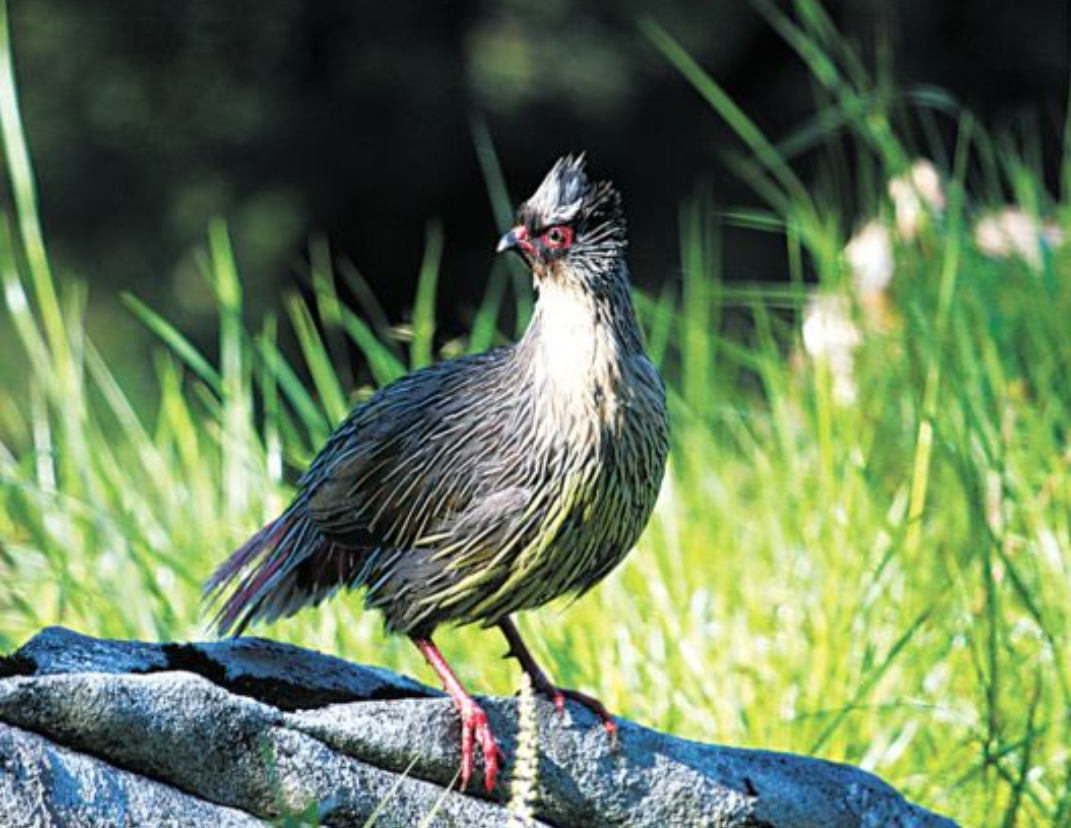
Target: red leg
558, 695
473, 720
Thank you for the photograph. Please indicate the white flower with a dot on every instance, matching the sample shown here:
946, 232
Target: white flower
869, 254
1011, 232
830, 338
916, 194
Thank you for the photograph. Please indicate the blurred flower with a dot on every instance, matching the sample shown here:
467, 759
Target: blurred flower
832, 332
915, 195
830, 338
869, 254
1011, 232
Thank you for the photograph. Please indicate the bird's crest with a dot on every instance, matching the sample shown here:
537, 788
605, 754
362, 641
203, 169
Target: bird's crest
567, 196
559, 198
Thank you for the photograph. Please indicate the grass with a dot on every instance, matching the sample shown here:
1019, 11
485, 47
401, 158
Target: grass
884, 583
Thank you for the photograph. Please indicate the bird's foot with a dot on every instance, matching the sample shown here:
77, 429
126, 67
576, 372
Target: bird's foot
543, 685
474, 728
558, 695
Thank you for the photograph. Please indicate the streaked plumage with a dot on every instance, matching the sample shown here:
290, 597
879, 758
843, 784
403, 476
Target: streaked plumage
485, 485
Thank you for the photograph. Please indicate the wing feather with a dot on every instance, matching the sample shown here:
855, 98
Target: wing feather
409, 460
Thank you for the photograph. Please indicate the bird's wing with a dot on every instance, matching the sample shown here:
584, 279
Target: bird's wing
409, 459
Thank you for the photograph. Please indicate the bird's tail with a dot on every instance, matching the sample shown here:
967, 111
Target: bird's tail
285, 566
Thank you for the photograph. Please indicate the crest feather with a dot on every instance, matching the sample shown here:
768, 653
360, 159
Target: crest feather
567, 196
560, 197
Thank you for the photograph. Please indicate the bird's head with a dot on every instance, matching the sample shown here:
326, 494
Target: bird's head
570, 228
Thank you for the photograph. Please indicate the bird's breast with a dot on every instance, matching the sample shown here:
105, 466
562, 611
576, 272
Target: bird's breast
576, 362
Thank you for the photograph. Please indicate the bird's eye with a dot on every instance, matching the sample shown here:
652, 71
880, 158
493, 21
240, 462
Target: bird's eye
558, 237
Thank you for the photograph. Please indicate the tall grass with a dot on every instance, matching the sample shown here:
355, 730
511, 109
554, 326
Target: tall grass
884, 583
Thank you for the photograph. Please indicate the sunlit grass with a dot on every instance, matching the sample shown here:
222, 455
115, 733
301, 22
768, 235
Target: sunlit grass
885, 583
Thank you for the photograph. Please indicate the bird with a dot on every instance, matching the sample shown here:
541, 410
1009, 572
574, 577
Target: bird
481, 486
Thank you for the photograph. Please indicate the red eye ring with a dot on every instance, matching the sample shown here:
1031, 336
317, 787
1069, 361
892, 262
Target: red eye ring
558, 237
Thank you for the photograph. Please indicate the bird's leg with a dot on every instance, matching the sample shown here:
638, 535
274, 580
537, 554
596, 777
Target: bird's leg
473, 720
519, 650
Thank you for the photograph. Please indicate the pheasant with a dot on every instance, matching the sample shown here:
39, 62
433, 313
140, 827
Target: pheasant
481, 486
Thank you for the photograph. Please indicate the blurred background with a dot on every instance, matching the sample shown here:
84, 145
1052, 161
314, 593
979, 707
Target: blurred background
353, 122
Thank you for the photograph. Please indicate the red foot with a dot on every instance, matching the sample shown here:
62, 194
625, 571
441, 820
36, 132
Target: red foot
474, 725
543, 684
474, 728
558, 695
592, 704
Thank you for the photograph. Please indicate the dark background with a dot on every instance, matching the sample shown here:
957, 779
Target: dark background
351, 120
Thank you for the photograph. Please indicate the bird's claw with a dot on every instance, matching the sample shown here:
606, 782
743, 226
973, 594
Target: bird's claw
543, 685
474, 728
558, 695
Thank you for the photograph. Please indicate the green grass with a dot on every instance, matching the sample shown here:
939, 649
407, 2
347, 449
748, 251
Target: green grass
884, 583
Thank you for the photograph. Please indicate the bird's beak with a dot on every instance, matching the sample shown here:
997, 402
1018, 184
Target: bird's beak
517, 237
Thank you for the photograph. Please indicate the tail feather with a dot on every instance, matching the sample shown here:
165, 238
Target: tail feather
284, 567
251, 572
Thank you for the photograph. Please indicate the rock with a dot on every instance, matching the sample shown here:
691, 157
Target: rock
42, 784
282, 675
246, 732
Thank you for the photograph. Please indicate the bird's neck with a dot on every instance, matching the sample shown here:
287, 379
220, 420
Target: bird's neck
577, 339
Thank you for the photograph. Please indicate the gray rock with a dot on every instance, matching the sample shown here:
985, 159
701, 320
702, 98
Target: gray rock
184, 731
282, 675
43, 785
236, 733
